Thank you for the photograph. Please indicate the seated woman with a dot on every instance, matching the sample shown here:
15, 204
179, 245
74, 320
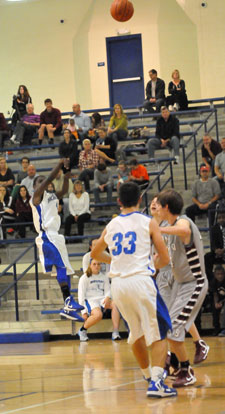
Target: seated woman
7, 178
7, 215
23, 210
118, 124
94, 295
68, 149
177, 100
79, 207
19, 103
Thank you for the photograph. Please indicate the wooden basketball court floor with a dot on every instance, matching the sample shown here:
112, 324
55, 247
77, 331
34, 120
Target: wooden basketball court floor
100, 377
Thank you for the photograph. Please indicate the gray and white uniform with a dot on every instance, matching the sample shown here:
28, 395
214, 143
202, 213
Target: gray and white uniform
190, 287
164, 278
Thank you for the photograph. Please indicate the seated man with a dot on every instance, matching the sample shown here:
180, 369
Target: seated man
167, 135
205, 193
155, 92
210, 148
217, 253
50, 121
82, 121
4, 130
105, 143
218, 291
27, 127
219, 166
29, 180
103, 182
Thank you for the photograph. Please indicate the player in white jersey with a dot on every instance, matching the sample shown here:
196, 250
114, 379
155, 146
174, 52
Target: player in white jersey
51, 244
94, 294
165, 282
190, 287
129, 238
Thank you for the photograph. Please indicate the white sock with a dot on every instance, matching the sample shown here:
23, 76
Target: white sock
147, 372
157, 373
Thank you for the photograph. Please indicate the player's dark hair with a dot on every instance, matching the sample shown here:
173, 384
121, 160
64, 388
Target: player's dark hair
171, 198
153, 71
35, 180
129, 194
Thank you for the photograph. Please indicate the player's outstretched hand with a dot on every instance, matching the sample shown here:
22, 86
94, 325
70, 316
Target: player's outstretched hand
66, 163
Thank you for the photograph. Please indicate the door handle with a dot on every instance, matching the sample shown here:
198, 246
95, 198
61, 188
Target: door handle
138, 78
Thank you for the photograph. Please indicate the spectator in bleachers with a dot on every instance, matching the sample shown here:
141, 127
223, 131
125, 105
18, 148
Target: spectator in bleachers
88, 161
4, 130
94, 295
210, 148
177, 100
26, 127
23, 211
82, 121
106, 143
58, 183
167, 135
103, 182
219, 166
19, 103
68, 149
28, 181
20, 176
205, 192
23, 173
96, 122
50, 121
217, 253
7, 215
7, 178
118, 124
123, 173
79, 207
138, 173
155, 92
218, 291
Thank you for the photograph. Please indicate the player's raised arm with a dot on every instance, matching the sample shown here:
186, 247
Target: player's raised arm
98, 252
41, 183
162, 258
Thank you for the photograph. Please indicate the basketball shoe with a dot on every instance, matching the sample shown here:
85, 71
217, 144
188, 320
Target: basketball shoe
116, 336
82, 335
71, 304
72, 315
201, 352
158, 389
184, 378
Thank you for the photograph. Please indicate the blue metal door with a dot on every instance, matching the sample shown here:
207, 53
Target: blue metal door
125, 70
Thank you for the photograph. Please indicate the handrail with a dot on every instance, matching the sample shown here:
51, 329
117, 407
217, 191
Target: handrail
17, 279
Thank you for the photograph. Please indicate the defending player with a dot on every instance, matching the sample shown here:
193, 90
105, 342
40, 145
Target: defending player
51, 244
187, 262
165, 282
129, 238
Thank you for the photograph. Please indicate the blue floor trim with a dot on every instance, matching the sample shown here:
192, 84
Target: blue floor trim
23, 337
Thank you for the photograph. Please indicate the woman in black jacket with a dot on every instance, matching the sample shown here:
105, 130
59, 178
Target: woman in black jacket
19, 103
177, 100
68, 149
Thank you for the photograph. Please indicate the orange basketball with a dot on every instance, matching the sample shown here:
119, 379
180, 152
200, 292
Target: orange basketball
122, 10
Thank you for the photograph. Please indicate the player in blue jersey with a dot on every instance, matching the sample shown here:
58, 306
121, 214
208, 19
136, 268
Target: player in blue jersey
130, 238
51, 244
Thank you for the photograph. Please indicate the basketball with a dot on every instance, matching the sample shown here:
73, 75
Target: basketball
122, 10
